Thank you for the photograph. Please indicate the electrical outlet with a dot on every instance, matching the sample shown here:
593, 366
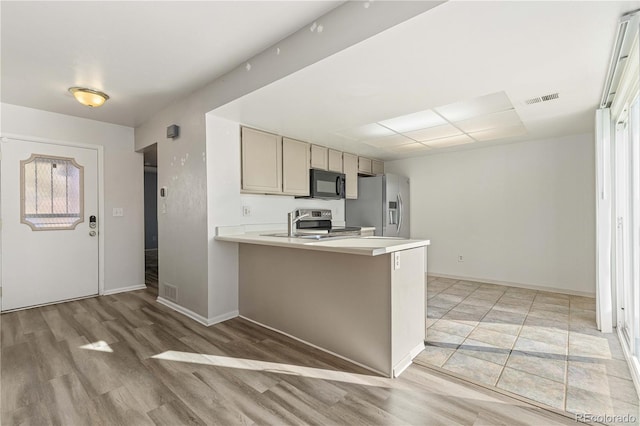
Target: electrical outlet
163, 208
460, 258
396, 260
246, 210
118, 211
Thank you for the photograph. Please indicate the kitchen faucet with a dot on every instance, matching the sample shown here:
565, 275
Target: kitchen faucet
292, 219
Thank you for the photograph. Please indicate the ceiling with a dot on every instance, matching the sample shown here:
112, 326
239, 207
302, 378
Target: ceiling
479, 119
147, 54
456, 52
144, 54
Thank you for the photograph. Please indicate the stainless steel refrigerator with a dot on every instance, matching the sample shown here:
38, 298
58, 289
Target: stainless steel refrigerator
383, 202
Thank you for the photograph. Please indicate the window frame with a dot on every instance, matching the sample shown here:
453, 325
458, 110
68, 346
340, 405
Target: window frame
23, 218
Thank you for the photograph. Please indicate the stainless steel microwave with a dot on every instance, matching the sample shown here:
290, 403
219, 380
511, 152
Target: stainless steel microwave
326, 185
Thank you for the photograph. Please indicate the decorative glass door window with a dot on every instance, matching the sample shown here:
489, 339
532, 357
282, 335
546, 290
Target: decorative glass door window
52, 192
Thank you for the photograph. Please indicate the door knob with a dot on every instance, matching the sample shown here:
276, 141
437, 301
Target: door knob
92, 233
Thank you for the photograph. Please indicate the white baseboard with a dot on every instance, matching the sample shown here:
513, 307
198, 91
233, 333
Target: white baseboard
123, 289
512, 284
316, 346
406, 361
194, 316
222, 317
634, 365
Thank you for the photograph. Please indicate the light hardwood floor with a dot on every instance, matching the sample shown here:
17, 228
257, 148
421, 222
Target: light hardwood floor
126, 360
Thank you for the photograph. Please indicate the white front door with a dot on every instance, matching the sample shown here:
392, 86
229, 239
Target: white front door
49, 208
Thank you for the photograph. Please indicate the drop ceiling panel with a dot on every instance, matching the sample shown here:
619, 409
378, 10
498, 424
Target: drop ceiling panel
369, 131
482, 105
433, 133
450, 141
418, 120
389, 141
504, 132
491, 121
409, 148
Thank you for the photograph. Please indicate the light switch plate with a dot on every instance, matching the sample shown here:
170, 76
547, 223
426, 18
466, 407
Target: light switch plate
118, 211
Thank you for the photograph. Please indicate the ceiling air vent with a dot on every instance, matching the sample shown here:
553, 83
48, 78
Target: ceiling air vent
544, 98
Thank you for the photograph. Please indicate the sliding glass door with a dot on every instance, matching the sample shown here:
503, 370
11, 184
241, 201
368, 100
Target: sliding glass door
627, 225
631, 319
618, 202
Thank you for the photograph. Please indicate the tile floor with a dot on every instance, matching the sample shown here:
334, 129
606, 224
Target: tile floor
540, 345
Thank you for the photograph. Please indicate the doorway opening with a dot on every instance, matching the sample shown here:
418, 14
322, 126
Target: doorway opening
151, 216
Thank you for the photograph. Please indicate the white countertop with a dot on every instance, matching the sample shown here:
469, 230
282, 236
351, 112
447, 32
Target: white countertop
366, 246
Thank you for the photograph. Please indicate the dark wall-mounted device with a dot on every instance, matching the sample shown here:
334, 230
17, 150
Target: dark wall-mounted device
173, 131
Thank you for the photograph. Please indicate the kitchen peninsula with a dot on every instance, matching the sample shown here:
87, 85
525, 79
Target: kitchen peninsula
361, 298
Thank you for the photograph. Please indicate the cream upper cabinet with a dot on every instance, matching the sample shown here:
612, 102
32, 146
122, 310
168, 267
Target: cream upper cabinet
364, 165
261, 162
335, 161
377, 167
319, 157
295, 167
350, 167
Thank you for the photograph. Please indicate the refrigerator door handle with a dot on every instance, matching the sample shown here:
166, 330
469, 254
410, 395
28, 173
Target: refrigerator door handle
399, 213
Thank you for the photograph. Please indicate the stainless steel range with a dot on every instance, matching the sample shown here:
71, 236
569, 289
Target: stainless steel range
319, 222
314, 224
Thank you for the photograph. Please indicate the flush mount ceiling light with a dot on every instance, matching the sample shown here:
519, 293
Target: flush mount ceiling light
89, 97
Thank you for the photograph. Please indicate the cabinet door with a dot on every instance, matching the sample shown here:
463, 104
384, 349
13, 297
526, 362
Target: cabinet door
377, 167
350, 165
261, 162
364, 165
319, 159
295, 167
335, 161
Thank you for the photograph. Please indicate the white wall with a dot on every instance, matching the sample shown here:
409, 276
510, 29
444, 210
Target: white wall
520, 213
274, 208
123, 183
224, 205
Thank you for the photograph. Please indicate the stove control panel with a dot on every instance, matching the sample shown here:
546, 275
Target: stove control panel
314, 214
